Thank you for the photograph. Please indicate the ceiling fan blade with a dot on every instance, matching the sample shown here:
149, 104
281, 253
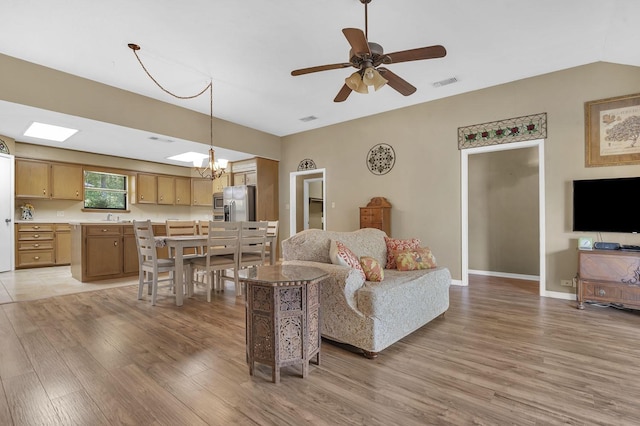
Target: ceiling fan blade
397, 83
420, 53
320, 68
357, 40
343, 94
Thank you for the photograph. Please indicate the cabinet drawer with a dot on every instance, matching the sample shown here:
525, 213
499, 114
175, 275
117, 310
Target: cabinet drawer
367, 222
103, 230
35, 258
601, 291
374, 215
35, 227
63, 227
128, 230
35, 245
35, 236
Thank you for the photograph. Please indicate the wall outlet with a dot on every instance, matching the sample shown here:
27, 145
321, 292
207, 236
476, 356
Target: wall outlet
60, 213
566, 283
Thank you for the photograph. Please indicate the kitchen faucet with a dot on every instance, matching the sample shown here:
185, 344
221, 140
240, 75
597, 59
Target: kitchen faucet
109, 216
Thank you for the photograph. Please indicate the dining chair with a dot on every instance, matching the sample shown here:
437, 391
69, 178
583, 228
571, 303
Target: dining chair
150, 266
272, 240
253, 241
179, 228
221, 254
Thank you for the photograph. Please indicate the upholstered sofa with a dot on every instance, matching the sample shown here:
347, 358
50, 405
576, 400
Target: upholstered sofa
368, 315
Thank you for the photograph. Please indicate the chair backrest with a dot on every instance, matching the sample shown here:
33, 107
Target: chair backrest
224, 239
145, 241
253, 239
182, 227
272, 228
202, 229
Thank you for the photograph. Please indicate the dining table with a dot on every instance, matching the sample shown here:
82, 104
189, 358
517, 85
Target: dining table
179, 242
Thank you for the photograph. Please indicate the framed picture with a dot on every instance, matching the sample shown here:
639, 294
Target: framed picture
612, 128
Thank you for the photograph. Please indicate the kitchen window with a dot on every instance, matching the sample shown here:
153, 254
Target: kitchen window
105, 191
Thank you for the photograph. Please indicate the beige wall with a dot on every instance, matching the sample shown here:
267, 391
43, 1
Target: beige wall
424, 185
37, 86
503, 207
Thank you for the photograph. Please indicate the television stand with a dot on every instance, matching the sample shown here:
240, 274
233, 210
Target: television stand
609, 276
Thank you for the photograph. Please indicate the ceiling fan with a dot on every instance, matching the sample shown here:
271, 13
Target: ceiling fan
366, 57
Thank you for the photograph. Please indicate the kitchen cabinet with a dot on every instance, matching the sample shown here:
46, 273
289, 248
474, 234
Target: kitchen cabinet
41, 179
201, 192
263, 173
220, 183
62, 236
67, 182
183, 191
35, 245
32, 179
377, 214
146, 188
103, 251
166, 190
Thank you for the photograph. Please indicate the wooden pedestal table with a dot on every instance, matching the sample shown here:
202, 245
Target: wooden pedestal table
283, 316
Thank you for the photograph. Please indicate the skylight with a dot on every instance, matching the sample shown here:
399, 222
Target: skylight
189, 157
49, 132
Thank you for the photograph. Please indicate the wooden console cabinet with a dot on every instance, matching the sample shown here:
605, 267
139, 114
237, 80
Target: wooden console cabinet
377, 214
609, 276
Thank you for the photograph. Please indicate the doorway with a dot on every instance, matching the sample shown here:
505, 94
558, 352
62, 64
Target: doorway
539, 144
297, 197
313, 202
6, 212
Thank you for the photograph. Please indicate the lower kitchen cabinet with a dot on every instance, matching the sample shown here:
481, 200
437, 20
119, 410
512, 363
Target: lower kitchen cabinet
35, 245
103, 251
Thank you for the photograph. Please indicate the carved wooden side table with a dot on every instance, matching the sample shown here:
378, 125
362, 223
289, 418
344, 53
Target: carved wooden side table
283, 316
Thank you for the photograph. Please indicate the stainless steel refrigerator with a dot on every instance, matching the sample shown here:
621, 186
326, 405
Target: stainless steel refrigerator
239, 203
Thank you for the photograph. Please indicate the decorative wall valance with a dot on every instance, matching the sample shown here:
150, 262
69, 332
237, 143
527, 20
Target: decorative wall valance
4, 149
518, 129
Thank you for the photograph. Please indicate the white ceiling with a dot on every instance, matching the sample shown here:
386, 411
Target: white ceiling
248, 49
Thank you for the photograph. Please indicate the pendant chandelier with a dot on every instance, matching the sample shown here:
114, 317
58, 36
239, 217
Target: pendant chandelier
213, 169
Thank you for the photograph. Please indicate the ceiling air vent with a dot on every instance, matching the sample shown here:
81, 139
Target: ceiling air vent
156, 138
445, 82
309, 118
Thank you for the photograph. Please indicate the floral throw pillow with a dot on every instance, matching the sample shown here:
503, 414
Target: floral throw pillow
410, 260
373, 271
341, 255
395, 245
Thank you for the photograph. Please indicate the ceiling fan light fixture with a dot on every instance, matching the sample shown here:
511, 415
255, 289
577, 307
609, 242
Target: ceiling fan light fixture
355, 83
373, 78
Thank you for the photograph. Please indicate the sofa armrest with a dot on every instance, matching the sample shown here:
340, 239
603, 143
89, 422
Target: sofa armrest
341, 286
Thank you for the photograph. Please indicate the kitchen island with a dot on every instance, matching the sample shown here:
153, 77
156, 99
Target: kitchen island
106, 249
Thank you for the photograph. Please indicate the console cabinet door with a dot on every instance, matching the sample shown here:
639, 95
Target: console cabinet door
166, 190
147, 188
183, 191
103, 256
201, 192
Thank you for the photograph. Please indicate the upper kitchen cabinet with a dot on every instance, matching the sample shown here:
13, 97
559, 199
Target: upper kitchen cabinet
32, 179
40, 179
201, 192
183, 191
220, 183
166, 190
67, 182
146, 188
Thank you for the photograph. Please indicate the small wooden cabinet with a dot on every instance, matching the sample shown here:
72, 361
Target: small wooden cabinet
609, 276
166, 190
146, 188
201, 192
62, 243
35, 245
56, 181
67, 182
183, 191
103, 251
220, 183
377, 214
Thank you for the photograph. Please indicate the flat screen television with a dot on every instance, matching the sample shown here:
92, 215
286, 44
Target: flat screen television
606, 205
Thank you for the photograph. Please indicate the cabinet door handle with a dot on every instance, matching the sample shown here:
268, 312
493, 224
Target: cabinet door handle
44, 192
36, 236
105, 230
36, 257
115, 243
36, 245
142, 197
601, 292
36, 227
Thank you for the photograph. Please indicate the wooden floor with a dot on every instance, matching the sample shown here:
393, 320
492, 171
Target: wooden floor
501, 355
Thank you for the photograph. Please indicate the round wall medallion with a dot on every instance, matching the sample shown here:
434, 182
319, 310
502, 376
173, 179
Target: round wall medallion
381, 159
306, 164
4, 149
